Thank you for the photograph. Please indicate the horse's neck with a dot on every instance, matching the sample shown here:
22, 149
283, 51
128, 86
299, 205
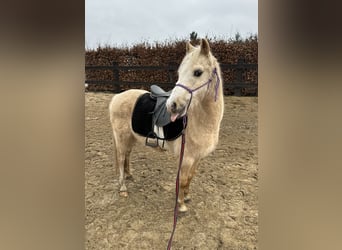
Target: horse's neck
207, 114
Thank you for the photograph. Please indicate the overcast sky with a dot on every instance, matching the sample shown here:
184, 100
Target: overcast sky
126, 22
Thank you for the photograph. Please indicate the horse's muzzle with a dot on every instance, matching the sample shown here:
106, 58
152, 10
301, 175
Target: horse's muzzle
176, 111
177, 103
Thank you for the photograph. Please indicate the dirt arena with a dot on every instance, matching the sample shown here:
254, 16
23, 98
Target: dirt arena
223, 212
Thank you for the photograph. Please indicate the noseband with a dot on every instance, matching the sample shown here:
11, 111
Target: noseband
191, 91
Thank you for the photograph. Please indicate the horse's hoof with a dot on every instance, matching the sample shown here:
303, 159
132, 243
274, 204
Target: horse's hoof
123, 193
129, 177
187, 198
182, 208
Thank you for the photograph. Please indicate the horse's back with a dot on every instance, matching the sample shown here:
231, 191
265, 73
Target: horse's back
122, 105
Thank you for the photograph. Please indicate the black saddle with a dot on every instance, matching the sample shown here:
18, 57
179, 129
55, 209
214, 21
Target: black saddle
150, 111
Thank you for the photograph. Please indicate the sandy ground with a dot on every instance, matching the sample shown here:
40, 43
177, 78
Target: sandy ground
223, 212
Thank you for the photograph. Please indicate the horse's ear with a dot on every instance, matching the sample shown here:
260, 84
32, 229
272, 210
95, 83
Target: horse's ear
189, 47
205, 49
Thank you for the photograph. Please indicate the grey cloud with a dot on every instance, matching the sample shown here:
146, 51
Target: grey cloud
131, 21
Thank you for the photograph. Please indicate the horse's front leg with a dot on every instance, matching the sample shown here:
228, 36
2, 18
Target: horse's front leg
183, 184
190, 176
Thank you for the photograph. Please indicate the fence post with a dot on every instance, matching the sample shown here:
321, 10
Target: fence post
171, 68
116, 75
240, 69
239, 75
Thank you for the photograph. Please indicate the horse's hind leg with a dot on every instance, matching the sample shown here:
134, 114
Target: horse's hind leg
124, 146
121, 162
127, 164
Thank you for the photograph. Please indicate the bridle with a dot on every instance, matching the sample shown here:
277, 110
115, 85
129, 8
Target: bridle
185, 117
191, 91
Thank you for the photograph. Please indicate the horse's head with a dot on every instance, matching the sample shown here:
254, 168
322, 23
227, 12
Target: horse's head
195, 75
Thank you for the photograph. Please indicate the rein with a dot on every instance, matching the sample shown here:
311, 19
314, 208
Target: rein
191, 91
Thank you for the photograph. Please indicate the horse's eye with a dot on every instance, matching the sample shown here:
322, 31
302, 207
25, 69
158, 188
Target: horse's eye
198, 73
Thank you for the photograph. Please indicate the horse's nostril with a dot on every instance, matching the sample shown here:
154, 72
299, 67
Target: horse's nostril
173, 106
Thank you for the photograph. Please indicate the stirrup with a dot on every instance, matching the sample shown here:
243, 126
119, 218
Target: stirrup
151, 141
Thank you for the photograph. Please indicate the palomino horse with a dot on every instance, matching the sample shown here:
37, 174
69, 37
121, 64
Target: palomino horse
197, 94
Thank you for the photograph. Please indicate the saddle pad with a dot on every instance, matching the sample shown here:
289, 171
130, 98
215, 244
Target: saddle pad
142, 120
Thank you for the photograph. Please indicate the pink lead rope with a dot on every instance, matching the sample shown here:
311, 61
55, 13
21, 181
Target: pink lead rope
175, 211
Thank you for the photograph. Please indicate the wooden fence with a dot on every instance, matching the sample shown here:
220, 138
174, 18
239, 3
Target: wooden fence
238, 87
